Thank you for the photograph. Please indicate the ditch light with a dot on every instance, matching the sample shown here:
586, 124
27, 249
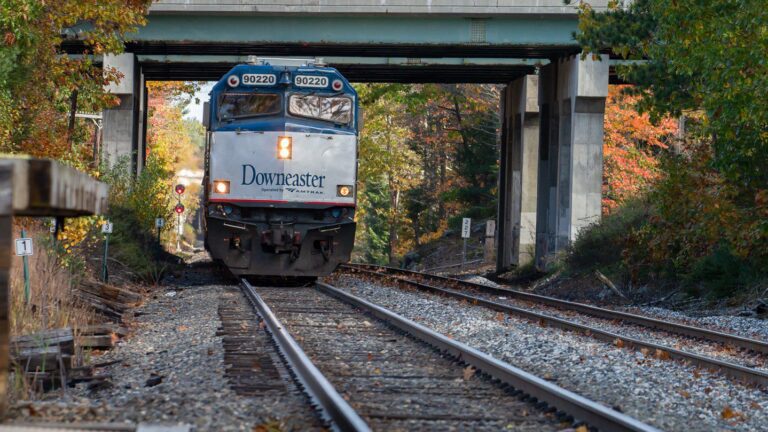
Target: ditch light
221, 186
344, 190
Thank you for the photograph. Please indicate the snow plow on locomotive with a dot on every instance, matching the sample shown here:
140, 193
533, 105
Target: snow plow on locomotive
280, 169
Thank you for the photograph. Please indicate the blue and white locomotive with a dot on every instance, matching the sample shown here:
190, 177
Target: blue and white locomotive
280, 168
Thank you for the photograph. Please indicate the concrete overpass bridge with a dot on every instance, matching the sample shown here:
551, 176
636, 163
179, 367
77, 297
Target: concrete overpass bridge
553, 104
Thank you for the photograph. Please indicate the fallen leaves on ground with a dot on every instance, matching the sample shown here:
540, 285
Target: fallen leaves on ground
662, 355
469, 372
271, 426
729, 413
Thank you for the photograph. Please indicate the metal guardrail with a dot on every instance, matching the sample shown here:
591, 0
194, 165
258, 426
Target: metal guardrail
336, 410
584, 409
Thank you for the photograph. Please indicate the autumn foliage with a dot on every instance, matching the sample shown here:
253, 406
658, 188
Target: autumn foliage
38, 84
699, 220
428, 156
631, 148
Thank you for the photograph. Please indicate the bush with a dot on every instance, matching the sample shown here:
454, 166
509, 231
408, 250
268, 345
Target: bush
602, 244
134, 204
720, 274
693, 230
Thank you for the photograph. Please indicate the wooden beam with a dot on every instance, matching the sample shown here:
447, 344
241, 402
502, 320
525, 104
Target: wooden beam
44, 187
36, 187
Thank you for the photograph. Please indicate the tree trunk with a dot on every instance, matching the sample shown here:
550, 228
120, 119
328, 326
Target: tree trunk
394, 202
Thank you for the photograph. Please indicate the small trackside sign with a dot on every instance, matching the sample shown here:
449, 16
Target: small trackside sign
466, 223
107, 228
24, 247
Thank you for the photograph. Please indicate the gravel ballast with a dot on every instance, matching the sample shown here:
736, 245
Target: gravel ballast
170, 370
743, 326
666, 394
706, 348
717, 320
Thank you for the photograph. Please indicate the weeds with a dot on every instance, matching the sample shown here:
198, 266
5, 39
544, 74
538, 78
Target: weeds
51, 303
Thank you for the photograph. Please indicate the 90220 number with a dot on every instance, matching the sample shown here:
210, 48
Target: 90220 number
310, 81
259, 79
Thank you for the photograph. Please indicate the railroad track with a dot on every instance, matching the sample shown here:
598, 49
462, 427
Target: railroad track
472, 292
373, 369
254, 367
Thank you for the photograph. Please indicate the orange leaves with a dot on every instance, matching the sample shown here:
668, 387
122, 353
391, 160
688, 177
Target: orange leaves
729, 413
630, 142
9, 38
661, 355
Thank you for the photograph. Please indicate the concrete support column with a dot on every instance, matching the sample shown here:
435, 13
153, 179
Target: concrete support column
572, 95
124, 124
518, 173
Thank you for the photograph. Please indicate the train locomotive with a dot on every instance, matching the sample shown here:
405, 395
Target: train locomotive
280, 169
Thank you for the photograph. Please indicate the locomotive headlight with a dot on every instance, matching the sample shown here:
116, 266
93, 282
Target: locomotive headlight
221, 186
284, 147
343, 190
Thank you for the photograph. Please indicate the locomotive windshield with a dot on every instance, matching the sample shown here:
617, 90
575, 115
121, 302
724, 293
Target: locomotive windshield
334, 109
240, 105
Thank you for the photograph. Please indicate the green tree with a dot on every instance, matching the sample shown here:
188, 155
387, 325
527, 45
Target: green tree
696, 55
38, 84
385, 156
476, 156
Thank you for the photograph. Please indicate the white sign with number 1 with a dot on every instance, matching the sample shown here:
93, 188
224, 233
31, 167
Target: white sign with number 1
24, 247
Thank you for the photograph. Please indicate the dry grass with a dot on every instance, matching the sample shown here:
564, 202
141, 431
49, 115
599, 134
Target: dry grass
51, 303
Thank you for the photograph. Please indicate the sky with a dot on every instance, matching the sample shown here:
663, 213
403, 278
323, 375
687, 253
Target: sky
195, 110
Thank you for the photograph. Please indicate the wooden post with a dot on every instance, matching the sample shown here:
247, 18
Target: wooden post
6, 232
490, 241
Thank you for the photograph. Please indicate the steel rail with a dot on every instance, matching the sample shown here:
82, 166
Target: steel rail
336, 410
671, 327
748, 375
578, 406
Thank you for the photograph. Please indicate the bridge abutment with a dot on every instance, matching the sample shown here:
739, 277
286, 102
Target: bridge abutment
550, 180
125, 124
518, 174
572, 94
